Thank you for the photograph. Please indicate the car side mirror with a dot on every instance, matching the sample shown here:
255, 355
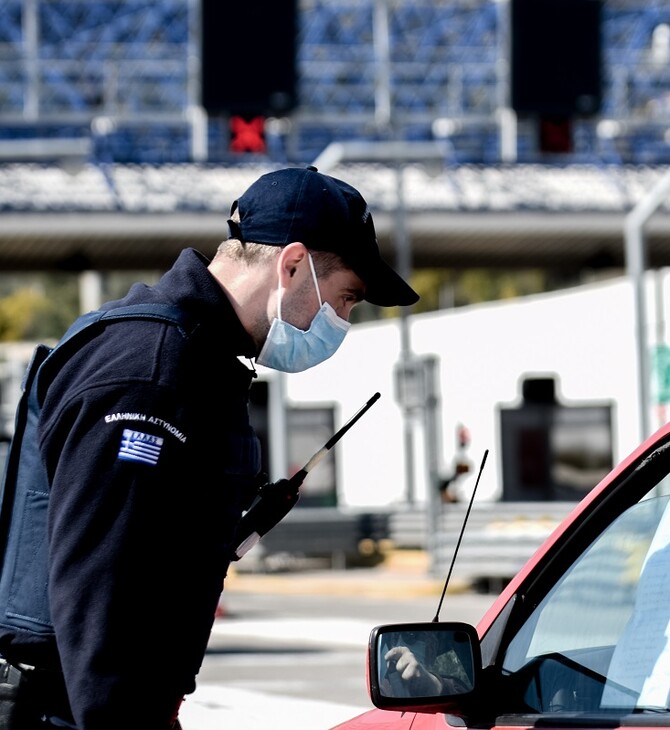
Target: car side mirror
424, 667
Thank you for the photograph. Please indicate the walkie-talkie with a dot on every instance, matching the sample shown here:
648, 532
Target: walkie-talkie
275, 500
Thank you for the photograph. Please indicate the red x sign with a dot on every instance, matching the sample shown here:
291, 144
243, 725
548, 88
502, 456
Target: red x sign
247, 135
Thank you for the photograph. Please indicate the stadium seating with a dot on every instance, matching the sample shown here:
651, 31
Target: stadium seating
68, 63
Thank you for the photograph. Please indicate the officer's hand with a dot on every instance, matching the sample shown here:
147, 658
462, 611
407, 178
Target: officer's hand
282, 490
275, 500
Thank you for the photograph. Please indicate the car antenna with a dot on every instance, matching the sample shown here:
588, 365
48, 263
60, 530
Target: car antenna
460, 537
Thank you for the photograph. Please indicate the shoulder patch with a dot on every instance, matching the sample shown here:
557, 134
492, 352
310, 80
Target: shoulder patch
138, 446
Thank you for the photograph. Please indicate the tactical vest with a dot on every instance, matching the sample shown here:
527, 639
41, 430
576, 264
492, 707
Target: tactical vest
24, 495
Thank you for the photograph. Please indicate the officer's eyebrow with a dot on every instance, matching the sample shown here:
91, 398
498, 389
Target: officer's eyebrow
356, 292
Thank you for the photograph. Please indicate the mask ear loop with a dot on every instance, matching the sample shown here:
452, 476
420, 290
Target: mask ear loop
316, 283
280, 288
280, 294
280, 291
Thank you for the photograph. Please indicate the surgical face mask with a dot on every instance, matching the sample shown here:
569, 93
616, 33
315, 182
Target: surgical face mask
293, 350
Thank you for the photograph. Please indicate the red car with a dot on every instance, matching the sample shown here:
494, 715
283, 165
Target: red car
580, 638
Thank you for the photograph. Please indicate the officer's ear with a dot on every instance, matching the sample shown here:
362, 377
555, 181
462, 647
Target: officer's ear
291, 262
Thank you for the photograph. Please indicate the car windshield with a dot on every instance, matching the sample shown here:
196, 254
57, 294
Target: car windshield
598, 642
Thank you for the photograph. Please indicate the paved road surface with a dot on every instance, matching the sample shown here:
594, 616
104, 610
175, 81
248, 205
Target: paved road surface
289, 651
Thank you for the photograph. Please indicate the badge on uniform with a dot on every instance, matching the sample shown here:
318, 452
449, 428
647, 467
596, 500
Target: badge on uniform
138, 446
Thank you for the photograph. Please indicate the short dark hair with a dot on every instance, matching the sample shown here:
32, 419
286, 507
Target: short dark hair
325, 262
249, 252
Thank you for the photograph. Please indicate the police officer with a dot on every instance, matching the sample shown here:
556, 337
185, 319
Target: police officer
145, 438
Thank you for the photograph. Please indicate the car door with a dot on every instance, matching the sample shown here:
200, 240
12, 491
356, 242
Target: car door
582, 632
581, 636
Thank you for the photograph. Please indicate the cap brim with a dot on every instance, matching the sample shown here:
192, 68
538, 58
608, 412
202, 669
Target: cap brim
386, 288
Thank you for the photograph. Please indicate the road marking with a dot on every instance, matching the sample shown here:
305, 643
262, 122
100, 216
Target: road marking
337, 631
212, 707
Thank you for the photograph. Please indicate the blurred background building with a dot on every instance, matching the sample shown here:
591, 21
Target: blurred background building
496, 112
137, 107
502, 146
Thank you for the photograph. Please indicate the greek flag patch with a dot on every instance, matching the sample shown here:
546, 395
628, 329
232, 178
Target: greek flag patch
138, 446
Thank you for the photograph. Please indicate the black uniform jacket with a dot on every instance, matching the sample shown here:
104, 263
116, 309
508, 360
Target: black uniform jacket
151, 460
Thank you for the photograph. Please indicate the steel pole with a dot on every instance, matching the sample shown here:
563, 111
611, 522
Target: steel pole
635, 253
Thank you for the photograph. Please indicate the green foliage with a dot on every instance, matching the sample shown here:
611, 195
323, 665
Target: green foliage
448, 288
37, 309
42, 306
18, 314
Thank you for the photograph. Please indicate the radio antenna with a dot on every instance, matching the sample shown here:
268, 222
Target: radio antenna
276, 500
460, 537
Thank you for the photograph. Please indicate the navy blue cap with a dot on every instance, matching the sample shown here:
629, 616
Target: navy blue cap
325, 214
